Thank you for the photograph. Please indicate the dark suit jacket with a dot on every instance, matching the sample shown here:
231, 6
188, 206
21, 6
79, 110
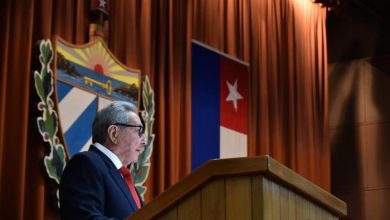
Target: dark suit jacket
92, 188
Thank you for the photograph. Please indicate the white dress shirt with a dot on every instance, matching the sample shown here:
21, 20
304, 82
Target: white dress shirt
109, 154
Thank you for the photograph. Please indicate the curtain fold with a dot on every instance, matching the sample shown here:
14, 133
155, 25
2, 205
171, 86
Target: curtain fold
283, 40
15, 100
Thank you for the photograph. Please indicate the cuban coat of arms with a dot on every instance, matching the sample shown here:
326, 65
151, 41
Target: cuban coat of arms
85, 79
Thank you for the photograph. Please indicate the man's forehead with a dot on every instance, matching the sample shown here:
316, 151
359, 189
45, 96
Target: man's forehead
134, 118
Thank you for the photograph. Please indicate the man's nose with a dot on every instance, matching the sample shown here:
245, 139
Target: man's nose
143, 139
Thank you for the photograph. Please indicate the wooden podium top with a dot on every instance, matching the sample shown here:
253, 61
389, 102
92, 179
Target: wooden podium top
264, 165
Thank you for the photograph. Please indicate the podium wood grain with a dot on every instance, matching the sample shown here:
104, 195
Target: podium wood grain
244, 188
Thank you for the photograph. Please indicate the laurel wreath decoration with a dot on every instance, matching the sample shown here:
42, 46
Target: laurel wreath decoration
141, 169
55, 160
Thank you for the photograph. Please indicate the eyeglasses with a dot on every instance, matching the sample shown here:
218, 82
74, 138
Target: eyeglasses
141, 129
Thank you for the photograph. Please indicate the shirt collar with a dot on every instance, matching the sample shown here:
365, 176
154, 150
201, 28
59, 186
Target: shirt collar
109, 154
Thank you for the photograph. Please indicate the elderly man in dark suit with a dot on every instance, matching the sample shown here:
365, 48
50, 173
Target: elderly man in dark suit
97, 184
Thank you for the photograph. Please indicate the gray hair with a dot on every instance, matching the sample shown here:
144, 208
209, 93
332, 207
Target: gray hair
115, 112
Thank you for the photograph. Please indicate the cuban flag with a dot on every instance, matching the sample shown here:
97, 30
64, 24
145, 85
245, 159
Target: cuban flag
219, 105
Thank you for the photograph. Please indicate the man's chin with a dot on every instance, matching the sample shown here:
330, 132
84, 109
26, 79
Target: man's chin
133, 161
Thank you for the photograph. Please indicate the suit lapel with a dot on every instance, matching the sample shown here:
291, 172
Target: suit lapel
115, 174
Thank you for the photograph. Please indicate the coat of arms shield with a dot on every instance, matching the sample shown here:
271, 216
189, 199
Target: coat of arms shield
87, 78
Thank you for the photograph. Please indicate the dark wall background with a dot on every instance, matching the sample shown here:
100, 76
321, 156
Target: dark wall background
359, 106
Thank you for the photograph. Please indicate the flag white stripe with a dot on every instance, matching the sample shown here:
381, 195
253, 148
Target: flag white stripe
73, 105
232, 143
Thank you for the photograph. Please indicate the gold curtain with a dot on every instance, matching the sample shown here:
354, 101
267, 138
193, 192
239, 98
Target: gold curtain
283, 40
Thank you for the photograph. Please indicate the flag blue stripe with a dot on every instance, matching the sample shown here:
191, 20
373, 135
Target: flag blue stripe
205, 105
62, 90
81, 130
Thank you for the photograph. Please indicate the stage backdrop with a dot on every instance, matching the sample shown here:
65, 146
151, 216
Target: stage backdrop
282, 40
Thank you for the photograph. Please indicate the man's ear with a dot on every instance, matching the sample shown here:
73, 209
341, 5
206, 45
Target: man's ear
113, 132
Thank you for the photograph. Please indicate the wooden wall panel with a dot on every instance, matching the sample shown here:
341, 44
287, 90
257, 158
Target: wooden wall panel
313, 211
316, 213
257, 197
300, 213
276, 211
284, 202
238, 197
190, 208
249, 188
267, 199
246, 197
169, 215
213, 200
291, 205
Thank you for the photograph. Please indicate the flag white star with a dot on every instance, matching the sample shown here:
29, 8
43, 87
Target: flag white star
233, 94
102, 3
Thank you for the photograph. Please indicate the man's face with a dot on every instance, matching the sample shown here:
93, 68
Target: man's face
129, 141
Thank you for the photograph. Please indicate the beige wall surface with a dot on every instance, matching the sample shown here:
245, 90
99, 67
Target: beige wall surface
359, 119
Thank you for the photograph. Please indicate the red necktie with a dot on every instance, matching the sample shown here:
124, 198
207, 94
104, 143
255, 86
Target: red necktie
129, 180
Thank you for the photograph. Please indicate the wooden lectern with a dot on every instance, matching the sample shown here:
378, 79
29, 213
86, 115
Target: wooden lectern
244, 188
